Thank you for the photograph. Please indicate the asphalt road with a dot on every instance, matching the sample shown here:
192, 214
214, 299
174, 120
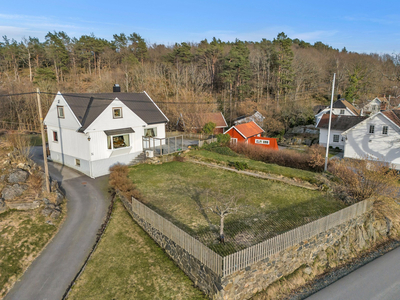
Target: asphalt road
378, 280
50, 274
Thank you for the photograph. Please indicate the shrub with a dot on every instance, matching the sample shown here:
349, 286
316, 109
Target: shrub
209, 127
362, 179
238, 165
225, 151
120, 181
223, 139
311, 160
21, 145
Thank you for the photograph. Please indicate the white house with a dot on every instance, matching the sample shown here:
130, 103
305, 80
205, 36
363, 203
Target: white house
255, 116
377, 138
374, 106
339, 124
340, 107
91, 132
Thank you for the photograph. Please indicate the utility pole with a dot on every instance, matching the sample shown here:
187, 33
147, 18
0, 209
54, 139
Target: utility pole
329, 126
46, 167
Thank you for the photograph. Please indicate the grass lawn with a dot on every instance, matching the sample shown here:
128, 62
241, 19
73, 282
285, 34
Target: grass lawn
23, 234
128, 264
177, 190
210, 156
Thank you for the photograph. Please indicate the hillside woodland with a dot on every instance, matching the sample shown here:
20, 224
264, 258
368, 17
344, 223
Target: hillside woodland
283, 78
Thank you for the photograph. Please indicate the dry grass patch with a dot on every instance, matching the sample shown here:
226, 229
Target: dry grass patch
23, 235
128, 264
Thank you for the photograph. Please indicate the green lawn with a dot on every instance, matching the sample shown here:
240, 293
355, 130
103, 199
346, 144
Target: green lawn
128, 264
210, 156
23, 234
178, 191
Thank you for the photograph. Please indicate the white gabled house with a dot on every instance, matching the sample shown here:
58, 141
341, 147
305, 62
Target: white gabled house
376, 138
339, 124
340, 107
375, 105
91, 132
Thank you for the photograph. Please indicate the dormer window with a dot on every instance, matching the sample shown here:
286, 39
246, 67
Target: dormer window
60, 112
117, 112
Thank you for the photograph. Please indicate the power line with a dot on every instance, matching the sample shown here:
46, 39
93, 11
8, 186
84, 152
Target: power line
19, 94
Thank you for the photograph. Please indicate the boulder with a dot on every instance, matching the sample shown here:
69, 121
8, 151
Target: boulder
55, 214
307, 271
2, 178
23, 205
11, 192
3, 206
59, 198
46, 201
18, 176
47, 211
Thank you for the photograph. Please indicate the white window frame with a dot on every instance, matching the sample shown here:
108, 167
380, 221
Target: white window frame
110, 141
60, 112
146, 130
234, 141
120, 112
77, 162
336, 138
55, 136
371, 129
342, 112
385, 130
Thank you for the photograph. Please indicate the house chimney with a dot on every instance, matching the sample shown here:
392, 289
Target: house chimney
339, 96
116, 88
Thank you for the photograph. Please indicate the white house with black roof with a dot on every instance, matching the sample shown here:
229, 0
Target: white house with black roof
91, 132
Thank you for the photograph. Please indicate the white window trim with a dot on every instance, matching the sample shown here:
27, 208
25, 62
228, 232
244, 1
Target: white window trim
383, 130
112, 142
56, 133
373, 129
155, 131
58, 112
234, 141
77, 162
338, 138
114, 109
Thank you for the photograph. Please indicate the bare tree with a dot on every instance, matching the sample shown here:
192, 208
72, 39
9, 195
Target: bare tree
222, 206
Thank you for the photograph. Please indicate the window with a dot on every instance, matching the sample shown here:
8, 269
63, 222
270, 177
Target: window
265, 142
117, 112
150, 132
77, 162
55, 136
371, 128
336, 138
342, 111
118, 141
385, 130
60, 112
233, 141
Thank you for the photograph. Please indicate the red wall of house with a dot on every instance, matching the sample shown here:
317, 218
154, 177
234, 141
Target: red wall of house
235, 135
273, 144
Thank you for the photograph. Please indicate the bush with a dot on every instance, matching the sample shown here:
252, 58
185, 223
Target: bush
223, 139
238, 165
225, 151
21, 145
209, 127
312, 160
120, 181
362, 179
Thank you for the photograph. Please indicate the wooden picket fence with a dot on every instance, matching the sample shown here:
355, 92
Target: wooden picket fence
224, 266
195, 248
244, 258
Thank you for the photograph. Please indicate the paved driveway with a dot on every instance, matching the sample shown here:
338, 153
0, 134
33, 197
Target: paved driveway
50, 274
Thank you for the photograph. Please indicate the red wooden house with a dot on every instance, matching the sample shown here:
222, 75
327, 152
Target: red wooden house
250, 133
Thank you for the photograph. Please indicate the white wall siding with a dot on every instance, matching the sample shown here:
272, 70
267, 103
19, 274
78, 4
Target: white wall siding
68, 122
70, 142
101, 167
323, 137
69, 161
361, 144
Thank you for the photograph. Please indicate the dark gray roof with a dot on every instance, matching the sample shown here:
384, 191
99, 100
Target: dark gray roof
119, 131
341, 123
87, 107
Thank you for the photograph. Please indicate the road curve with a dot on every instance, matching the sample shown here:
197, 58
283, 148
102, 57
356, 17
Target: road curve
50, 274
377, 280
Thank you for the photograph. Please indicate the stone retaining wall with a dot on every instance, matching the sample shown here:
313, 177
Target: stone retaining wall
326, 249
202, 276
336, 245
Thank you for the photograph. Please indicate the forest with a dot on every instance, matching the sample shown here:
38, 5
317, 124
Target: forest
283, 78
